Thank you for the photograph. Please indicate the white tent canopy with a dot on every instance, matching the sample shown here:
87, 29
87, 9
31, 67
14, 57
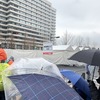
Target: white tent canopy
81, 47
63, 47
84, 47
76, 48
58, 56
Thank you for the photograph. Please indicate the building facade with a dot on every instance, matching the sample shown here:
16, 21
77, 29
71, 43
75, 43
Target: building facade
26, 24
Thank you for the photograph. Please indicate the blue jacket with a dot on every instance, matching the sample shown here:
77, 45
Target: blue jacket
82, 87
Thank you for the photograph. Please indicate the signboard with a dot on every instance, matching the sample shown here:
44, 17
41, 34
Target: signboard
47, 48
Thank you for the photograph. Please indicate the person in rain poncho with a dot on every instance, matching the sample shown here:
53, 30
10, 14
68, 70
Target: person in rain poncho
88, 73
10, 60
3, 66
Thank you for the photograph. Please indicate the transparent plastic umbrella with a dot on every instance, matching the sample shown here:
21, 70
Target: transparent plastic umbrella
26, 67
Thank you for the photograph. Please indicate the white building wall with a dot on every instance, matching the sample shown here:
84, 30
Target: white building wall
31, 20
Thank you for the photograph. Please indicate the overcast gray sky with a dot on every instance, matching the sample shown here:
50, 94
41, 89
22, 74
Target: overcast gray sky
79, 17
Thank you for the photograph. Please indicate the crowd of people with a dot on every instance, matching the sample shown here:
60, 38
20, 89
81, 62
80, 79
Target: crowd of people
88, 90
5, 62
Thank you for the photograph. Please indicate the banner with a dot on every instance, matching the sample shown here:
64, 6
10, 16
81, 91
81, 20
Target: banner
47, 48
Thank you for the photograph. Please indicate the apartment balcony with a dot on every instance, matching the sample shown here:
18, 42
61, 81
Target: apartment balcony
30, 9
42, 21
2, 1
3, 15
33, 6
1, 24
2, 10
3, 6
21, 38
2, 29
3, 20
43, 13
26, 29
21, 42
45, 29
34, 35
11, 15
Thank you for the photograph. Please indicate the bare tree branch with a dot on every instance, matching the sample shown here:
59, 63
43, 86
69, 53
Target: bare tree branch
87, 41
67, 39
79, 41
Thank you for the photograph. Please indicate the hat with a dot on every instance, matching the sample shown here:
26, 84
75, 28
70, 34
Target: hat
3, 55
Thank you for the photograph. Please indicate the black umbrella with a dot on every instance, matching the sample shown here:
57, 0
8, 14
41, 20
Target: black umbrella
90, 56
43, 87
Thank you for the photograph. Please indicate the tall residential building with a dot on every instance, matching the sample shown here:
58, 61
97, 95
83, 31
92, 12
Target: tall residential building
26, 24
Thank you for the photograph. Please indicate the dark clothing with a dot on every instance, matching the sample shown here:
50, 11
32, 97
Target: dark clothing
98, 80
99, 93
83, 89
80, 93
2, 95
94, 91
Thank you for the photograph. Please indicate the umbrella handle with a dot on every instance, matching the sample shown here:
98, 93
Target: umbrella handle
93, 72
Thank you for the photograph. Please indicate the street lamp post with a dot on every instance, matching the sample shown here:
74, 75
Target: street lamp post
57, 37
5, 43
54, 42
